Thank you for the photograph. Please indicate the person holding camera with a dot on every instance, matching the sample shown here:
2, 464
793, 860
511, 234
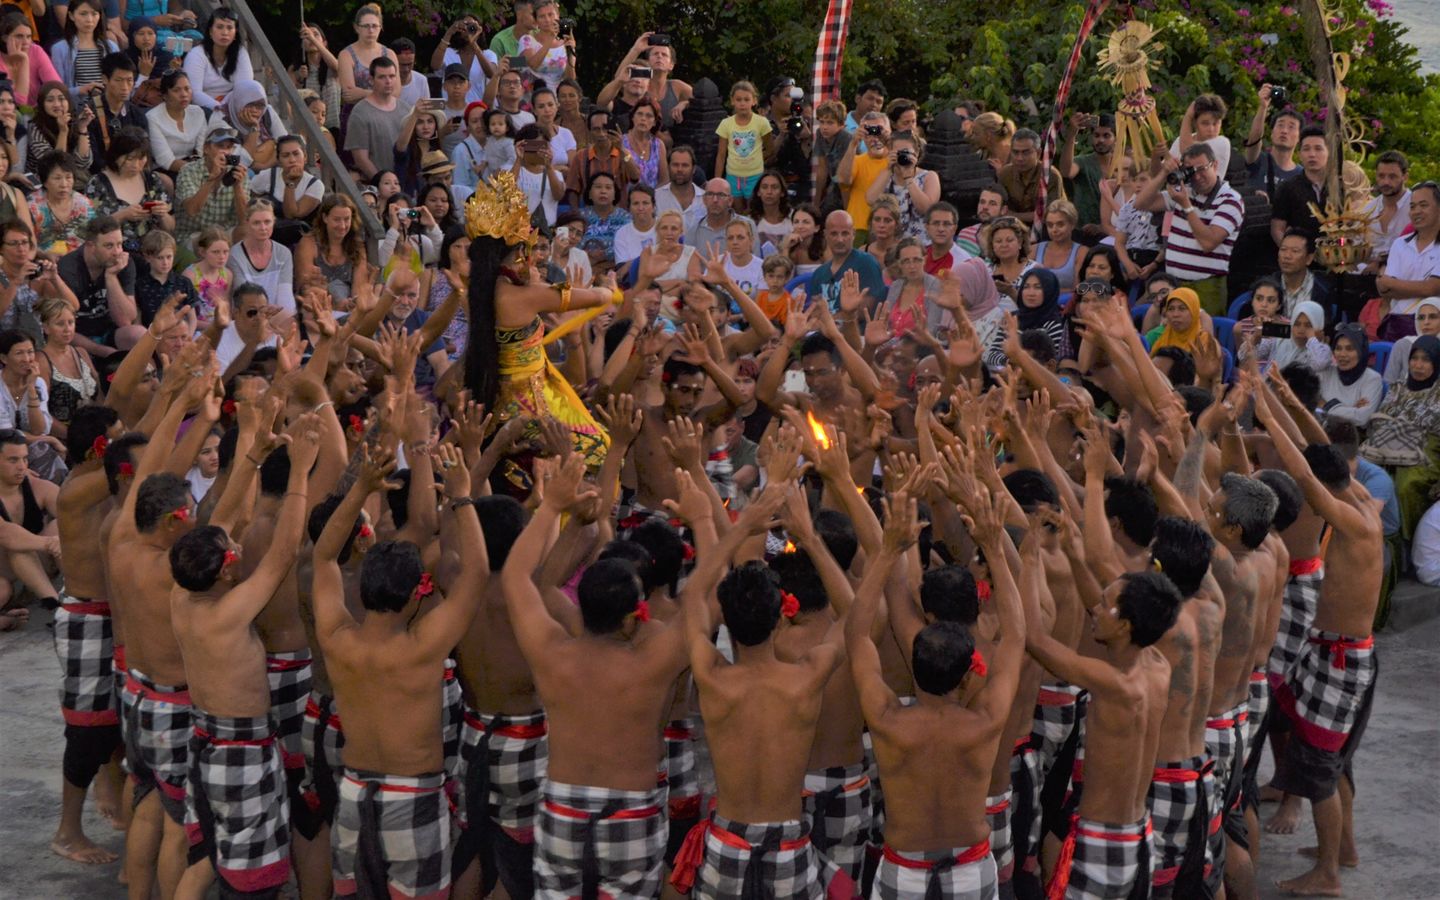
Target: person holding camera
212, 190
1270, 168
789, 153
867, 159
915, 189
1208, 213
549, 50
460, 47
535, 172
59, 124
27, 280
506, 41
1083, 174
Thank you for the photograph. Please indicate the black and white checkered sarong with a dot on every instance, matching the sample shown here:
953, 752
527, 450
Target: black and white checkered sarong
238, 800
1327, 686
837, 803
612, 839
391, 836
1179, 813
289, 674
320, 741
1297, 612
967, 874
1107, 861
753, 861
157, 741
85, 645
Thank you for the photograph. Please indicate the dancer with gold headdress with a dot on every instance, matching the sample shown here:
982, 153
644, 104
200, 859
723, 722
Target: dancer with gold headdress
506, 367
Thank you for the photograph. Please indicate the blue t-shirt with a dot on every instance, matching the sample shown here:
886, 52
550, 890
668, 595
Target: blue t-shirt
1378, 482
424, 372
825, 281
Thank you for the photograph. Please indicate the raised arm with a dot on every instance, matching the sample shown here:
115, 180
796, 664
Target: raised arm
438, 628
328, 591
537, 632
987, 523
876, 697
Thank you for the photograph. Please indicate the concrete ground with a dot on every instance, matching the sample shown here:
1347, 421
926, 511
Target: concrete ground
1397, 809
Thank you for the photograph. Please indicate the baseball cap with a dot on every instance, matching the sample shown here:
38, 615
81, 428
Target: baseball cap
455, 70
220, 132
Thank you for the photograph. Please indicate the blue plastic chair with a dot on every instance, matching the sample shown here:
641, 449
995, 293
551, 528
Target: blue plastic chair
1224, 332
1138, 314
1228, 371
795, 282
1137, 287
1380, 355
1237, 306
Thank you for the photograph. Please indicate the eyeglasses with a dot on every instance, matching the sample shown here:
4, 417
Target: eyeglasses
716, 195
23, 242
1094, 287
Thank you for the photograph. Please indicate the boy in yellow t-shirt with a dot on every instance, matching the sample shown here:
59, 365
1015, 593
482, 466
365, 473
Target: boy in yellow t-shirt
744, 138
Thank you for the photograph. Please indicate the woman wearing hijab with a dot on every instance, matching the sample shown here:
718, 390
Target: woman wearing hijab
971, 286
1405, 432
1427, 321
1183, 327
1304, 345
1351, 390
249, 113
1038, 310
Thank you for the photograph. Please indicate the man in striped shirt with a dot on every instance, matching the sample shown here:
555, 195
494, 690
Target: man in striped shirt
1207, 217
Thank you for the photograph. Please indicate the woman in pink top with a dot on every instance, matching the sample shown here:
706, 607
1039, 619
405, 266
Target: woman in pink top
25, 62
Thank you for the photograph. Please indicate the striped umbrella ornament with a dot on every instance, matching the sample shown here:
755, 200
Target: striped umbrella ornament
1062, 95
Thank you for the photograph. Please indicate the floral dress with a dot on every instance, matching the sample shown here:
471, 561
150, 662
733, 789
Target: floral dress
102, 194
56, 237
209, 288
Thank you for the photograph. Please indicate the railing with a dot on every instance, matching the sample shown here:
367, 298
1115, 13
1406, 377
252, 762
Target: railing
270, 72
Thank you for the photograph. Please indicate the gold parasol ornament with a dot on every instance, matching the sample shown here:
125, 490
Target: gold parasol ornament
1126, 61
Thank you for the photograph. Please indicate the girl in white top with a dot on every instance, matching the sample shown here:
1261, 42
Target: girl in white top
177, 126
548, 56
421, 229
217, 62
562, 141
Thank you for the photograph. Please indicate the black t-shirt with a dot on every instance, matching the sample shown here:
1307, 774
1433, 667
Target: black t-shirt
150, 294
93, 319
1292, 203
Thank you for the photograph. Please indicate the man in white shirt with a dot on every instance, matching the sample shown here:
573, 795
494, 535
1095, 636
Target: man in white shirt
1412, 272
679, 193
1390, 211
414, 86
249, 331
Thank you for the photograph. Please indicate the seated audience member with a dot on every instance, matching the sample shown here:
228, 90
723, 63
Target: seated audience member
211, 191
259, 260
177, 125
128, 191
57, 209
101, 275
1350, 389
219, 60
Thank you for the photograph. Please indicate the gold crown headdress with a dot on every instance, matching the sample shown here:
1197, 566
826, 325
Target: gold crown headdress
499, 209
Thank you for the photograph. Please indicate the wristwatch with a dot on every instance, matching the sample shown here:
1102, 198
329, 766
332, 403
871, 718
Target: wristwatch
1187, 210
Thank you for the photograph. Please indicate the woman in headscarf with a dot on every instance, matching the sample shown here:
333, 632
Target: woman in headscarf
1405, 432
1304, 345
1351, 390
1038, 310
1183, 326
249, 113
970, 286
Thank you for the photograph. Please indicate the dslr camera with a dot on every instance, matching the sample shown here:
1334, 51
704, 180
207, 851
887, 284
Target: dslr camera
875, 130
567, 25
231, 161
905, 158
796, 122
1277, 95
1180, 176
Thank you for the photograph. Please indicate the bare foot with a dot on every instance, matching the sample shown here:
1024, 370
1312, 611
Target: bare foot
1269, 794
11, 619
1312, 884
1286, 818
82, 850
107, 801
1348, 858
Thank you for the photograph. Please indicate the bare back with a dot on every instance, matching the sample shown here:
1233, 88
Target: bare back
140, 584
279, 622
1354, 568
1118, 767
841, 723
1239, 580
224, 665
493, 671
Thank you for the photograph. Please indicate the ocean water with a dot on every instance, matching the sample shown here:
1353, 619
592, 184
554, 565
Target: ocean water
1422, 17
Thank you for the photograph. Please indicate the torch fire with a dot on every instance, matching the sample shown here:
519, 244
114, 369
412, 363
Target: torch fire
818, 430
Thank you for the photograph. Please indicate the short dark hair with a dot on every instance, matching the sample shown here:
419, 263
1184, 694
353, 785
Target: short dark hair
100, 226
119, 454
389, 574
1212, 104
382, 62
275, 472
1031, 488
675, 367
160, 494
11, 338
1289, 113
1133, 503
998, 190
13, 436
1343, 436
837, 532
873, 84
51, 161
86, 425
1287, 492
126, 141
634, 554
941, 657
1150, 602
1197, 400
949, 594
1304, 383
749, 597
1182, 365
117, 62
502, 519
815, 343
1199, 148
1313, 131
1301, 233
198, 557
1182, 548
1394, 158
798, 576
1025, 134
943, 206
1329, 465
666, 550
609, 591
320, 517
1037, 343
284, 139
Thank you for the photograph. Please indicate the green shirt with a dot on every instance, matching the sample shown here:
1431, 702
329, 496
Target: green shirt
505, 43
1084, 189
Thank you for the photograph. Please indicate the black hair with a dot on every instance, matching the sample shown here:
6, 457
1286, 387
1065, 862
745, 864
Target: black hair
666, 550
798, 575
1037, 343
1150, 602
1343, 436
749, 597
275, 472
86, 424
940, 657
1310, 131
1304, 235
51, 161
949, 594
1117, 274
320, 517
873, 84
172, 77
1304, 383
637, 556
198, 556
675, 368
389, 574
838, 534
1292, 500
1182, 547
815, 342
398, 499
1329, 465
13, 436
159, 495
615, 332
118, 454
1197, 400
13, 337
1133, 503
1182, 365
502, 519
482, 353
1030, 488
232, 53
609, 591
119, 61
382, 62
452, 234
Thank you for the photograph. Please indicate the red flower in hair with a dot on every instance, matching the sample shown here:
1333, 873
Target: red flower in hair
642, 611
357, 424
181, 515
127, 470
977, 664
110, 378
689, 552
230, 557
982, 589
366, 532
666, 377
789, 605
228, 407
97, 448
424, 588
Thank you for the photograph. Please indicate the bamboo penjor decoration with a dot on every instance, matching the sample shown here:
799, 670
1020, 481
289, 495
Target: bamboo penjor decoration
1127, 63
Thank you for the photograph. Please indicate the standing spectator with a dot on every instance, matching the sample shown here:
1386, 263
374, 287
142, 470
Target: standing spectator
1084, 174
1290, 207
672, 94
455, 88
128, 191
102, 276
603, 155
77, 55
770, 211
991, 134
1135, 232
506, 41
942, 252
212, 190
1208, 213
1021, 176
113, 109
376, 120
679, 193
414, 86
568, 95
865, 161
506, 92
869, 98
549, 55
1059, 253
992, 203
176, 126
1351, 390
536, 175
915, 189
1201, 124
830, 146
643, 142
840, 239
22, 60
1390, 211
419, 136
260, 260
719, 213
562, 142
218, 61
744, 140
357, 63
1413, 270
58, 211
1270, 168
322, 73
461, 55
469, 154
58, 126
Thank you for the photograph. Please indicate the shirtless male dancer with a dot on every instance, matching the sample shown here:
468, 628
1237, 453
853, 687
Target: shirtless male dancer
937, 755
392, 825
237, 786
1328, 692
606, 693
